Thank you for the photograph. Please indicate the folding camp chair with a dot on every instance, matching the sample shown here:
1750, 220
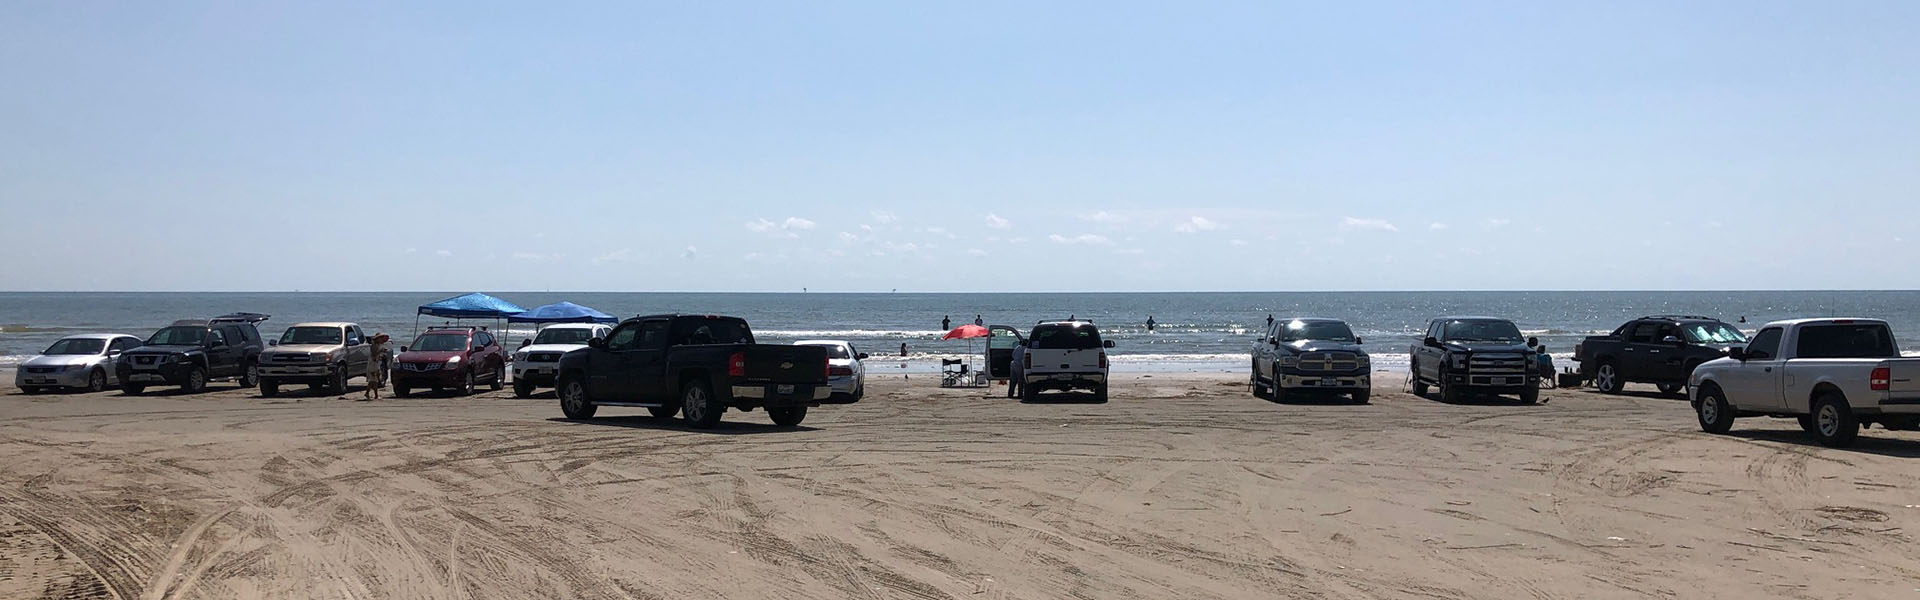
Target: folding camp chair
953, 372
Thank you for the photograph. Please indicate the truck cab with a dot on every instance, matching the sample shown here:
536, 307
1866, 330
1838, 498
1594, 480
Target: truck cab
1486, 355
1834, 376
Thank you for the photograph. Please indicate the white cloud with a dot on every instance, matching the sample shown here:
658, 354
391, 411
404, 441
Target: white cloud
1437, 226
884, 217
1497, 223
907, 248
1018, 240
797, 223
848, 237
997, 222
866, 228
1101, 216
1085, 238
784, 228
1130, 251
976, 252
935, 230
412, 250
1353, 223
443, 253
691, 252
762, 225
1197, 224
617, 256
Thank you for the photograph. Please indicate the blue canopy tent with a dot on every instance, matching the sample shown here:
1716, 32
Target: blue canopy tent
468, 306
562, 312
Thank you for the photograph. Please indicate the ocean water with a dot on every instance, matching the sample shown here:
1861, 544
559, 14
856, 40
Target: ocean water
1197, 332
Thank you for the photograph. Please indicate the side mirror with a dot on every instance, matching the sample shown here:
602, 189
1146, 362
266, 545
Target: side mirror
1737, 353
1431, 342
273, 342
403, 348
1357, 341
598, 343
216, 344
113, 352
860, 356
475, 349
1675, 340
1106, 344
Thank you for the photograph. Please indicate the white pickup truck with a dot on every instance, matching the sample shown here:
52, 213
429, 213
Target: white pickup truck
1835, 375
1065, 355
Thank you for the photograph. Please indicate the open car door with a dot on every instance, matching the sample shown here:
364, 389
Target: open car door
1000, 342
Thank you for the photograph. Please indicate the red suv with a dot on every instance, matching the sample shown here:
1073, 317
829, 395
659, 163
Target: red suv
449, 358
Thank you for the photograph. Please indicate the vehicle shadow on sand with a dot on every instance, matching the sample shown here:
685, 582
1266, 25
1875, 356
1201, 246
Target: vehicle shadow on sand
1869, 442
678, 424
1065, 398
1318, 399
1475, 400
170, 392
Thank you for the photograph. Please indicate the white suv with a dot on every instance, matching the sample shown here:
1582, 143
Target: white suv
537, 364
1065, 355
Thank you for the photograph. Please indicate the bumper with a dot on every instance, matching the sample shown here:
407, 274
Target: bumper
782, 395
1063, 381
442, 377
296, 372
168, 374
1326, 382
21, 378
844, 384
1498, 381
541, 374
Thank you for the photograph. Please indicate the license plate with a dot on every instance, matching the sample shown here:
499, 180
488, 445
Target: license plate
1062, 377
783, 389
144, 378
1329, 382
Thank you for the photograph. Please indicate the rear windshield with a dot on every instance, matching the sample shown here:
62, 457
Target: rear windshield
834, 351
77, 346
1066, 337
1332, 331
440, 342
178, 336
1846, 341
563, 335
310, 335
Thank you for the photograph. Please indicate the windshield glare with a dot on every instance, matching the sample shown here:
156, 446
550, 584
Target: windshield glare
77, 346
178, 336
834, 351
1483, 331
565, 335
1316, 330
440, 342
1714, 333
310, 335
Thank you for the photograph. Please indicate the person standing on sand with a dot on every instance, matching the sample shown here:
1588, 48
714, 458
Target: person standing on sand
946, 323
376, 376
1016, 371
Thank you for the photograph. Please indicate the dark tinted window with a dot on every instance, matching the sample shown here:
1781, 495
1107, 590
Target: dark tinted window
353, 335
834, 351
440, 342
1065, 337
1644, 332
482, 339
1333, 331
218, 336
310, 335
178, 336
563, 335
124, 344
1865, 340
653, 335
1482, 331
711, 331
1766, 344
624, 338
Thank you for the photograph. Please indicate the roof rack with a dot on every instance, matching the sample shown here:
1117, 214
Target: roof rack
241, 317
1678, 317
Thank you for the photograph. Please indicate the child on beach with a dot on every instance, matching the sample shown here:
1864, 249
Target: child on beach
376, 375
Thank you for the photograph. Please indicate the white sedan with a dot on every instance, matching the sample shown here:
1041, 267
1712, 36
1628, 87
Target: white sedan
845, 371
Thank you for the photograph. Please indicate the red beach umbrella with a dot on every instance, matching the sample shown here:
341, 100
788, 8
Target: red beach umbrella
966, 332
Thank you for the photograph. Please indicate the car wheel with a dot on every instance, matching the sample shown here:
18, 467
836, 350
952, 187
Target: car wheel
1419, 385
1362, 396
1806, 423
31, 390
96, 381
663, 411
860, 391
1448, 393
1274, 391
522, 389
697, 405
1606, 378
1100, 393
1834, 424
131, 389
787, 416
1530, 396
250, 376
1716, 416
1672, 388
573, 399
269, 387
337, 382
196, 381
1028, 393
466, 385
401, 391
499, 377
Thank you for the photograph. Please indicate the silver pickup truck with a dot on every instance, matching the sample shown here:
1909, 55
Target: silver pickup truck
1835, 376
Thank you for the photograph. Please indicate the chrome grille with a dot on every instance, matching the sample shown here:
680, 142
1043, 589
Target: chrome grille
145, 360
544, 357
289, 358
1329, 361
1497, 364
420, 366
40, 370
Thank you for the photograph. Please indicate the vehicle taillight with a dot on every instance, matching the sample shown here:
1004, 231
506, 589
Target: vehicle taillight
839, 371
1103, 360
1880, 380
737, 365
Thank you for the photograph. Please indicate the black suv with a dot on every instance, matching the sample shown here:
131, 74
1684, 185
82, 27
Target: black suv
190, 353
1660, 349
1475, 355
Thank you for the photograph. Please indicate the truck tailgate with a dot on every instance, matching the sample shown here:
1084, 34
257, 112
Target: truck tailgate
1904, 380
786, 364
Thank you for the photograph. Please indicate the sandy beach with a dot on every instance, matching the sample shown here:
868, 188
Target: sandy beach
1183, 486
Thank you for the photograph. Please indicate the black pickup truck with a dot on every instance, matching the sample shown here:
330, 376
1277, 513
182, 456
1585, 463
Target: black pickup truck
696, 365
190, 353
1659, 349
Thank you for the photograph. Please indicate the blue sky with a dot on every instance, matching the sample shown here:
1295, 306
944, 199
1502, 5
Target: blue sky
980, 146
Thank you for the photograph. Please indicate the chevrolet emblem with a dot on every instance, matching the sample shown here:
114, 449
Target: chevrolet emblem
786, 365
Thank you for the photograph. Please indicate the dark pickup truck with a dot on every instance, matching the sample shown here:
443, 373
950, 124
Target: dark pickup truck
698, 366
1659, 349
